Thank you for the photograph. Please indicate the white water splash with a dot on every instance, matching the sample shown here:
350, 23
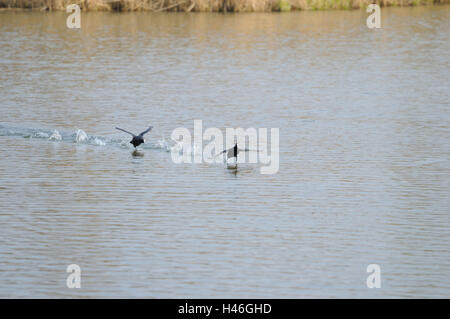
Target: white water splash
98, 141
42, 135
55, 136
231, 163
164, 145
81, 136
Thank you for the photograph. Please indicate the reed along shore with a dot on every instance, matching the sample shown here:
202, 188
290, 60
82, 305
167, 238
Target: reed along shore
208, 5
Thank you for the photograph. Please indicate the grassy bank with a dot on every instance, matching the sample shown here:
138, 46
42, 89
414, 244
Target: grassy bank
208, 5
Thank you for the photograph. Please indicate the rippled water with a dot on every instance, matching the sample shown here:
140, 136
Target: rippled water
364, 154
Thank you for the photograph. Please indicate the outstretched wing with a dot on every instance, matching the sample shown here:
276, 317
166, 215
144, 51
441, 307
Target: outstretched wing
231, 153
121, 129
220, 153
146, 131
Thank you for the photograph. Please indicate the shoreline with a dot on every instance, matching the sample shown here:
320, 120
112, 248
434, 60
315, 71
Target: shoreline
222, 6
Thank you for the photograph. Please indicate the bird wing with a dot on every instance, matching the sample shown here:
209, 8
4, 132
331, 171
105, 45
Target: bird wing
121, 129
231, 153
146, 131
220, 153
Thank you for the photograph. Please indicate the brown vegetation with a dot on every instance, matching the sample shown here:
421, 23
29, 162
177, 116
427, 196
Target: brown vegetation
208, 5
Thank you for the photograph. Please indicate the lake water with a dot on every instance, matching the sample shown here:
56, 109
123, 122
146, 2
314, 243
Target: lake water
364, 154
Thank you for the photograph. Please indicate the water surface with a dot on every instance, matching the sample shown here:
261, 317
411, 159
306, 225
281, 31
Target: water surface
364, 154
